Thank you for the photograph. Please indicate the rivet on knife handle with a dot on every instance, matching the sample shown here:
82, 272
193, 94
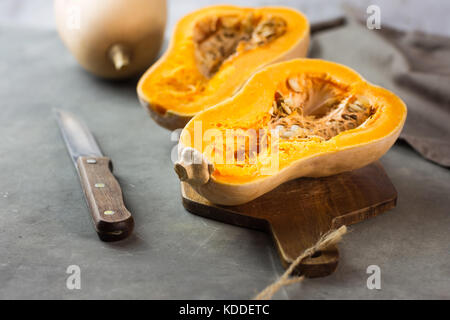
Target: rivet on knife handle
111, 218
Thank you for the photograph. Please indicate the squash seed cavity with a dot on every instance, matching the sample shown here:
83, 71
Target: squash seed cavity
220, 38
314, 106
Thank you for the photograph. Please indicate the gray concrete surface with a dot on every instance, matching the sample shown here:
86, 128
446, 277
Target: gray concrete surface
45, 227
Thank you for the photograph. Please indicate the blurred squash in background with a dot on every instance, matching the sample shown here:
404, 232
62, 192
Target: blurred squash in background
112, 38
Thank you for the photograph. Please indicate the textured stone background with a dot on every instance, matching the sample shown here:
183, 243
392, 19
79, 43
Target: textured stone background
45, 227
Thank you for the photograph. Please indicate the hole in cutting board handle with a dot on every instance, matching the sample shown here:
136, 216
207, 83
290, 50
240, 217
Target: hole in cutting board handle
316, 254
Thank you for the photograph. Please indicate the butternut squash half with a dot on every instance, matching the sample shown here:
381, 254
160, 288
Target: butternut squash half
301, 118
213, 52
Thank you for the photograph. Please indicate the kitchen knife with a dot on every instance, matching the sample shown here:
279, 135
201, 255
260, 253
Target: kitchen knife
103, 195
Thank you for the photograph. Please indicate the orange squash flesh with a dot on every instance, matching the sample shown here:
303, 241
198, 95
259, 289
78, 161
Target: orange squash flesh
175, 88
357, 144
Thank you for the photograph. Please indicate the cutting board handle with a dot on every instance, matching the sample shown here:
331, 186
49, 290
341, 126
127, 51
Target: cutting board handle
291, 244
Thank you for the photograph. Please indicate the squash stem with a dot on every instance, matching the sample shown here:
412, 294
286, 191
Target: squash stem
119, 56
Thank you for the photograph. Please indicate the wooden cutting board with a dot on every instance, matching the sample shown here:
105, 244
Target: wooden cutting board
298, 212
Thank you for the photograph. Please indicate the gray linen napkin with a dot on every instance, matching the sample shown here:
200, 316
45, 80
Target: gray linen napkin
413, 65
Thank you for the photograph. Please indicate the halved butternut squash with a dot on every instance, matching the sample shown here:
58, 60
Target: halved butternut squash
213, 52
303, 117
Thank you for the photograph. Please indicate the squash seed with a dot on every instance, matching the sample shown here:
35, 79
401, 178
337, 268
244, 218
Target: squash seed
293, 84
286, 108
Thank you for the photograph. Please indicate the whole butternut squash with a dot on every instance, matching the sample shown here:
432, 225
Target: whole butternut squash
112, 38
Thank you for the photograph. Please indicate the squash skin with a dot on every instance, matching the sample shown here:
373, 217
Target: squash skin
351, 152
169, 120
173, 119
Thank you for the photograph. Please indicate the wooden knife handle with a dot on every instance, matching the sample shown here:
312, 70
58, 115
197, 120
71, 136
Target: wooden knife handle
111, 218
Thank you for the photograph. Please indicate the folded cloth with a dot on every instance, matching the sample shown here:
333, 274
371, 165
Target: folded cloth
413, 65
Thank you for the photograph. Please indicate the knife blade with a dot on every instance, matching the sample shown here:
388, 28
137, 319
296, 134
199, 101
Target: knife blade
102, 192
